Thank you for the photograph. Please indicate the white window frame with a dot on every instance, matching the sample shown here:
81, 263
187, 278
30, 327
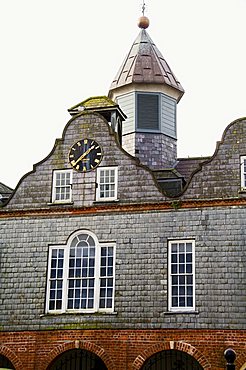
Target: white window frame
97, 278
54, 187
243, 172
186, 276
99, 184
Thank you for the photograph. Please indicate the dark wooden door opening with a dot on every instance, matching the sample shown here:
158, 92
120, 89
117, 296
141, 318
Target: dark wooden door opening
77, 359
171, 360
5, 363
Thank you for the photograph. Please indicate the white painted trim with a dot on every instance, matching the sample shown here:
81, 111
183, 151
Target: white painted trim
51, 248
243, 173
106, 199
66, 249
186, 308
55, 173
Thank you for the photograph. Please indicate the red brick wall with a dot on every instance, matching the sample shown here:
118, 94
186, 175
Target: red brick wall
122, 349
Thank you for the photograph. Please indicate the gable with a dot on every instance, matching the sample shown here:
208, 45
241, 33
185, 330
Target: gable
35, 188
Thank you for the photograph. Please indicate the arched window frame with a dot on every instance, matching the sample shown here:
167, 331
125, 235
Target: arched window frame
60, 255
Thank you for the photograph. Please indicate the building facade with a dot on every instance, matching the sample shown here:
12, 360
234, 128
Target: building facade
117, 255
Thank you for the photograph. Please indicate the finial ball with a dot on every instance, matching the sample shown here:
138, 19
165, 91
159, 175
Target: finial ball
143, 22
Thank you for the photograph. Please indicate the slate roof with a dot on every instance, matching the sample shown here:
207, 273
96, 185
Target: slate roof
145, 64
98, 104
4, 189
5, 192
95, 102
186, 166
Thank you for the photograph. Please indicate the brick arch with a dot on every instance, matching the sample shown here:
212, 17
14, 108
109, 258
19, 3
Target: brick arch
180, 346
88, 346
11, 356
243, 362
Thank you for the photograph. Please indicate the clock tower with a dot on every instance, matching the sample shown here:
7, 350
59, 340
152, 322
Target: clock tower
147, 91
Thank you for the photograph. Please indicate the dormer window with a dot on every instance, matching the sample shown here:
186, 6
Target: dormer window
62, 186
148, 112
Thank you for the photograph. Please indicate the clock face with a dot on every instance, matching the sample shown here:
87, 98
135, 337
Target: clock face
85, 155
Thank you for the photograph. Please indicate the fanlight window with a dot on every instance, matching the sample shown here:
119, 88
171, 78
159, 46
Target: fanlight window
81, 275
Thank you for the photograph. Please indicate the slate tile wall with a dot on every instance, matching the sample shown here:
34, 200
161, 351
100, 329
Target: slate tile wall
141, 268
220, 176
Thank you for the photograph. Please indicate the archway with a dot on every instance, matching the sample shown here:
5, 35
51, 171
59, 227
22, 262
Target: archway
77, 359
5, 363
171, 360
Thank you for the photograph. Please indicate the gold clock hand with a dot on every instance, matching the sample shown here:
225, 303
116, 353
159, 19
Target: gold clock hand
84, 154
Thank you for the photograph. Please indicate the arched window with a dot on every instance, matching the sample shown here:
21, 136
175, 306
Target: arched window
81, 275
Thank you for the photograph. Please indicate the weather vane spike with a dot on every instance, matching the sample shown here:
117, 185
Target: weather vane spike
143, 8
143, 21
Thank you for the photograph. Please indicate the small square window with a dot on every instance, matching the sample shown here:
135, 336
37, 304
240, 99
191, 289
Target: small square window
62, 186
107, 186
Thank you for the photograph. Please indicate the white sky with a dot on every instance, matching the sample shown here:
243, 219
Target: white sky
56, 53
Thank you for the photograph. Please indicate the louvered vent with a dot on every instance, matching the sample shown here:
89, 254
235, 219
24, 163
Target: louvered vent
148, 112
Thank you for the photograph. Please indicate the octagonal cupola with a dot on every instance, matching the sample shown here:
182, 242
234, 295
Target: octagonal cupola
147, 91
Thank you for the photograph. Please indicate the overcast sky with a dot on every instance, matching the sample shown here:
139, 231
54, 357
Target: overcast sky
56, 53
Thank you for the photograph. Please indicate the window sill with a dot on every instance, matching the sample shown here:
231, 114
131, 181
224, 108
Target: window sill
60, 203
242, 191
97, 313
181, 312
106, 201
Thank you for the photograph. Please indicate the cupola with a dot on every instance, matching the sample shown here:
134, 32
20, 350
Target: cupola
147, 91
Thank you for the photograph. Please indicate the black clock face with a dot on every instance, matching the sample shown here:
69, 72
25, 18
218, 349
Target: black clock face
85, 155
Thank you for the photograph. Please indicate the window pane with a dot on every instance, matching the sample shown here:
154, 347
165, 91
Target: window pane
174, 302
174, 269
181, 268
174, 290
181, 258
174, 280
189, 257
190, 302
189, 268
174, 258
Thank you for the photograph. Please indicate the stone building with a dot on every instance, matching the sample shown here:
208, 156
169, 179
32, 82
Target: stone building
116, 254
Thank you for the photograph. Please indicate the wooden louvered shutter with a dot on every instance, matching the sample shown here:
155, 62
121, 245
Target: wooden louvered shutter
148, 112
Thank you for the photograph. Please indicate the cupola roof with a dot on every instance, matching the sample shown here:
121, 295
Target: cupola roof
145, 64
